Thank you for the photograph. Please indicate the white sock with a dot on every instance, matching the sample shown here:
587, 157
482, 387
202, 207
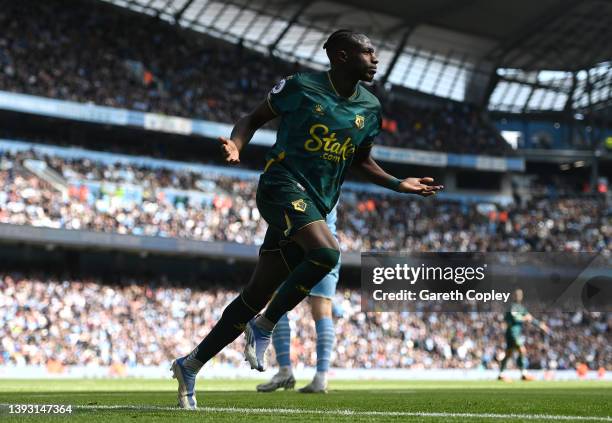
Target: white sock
321, 376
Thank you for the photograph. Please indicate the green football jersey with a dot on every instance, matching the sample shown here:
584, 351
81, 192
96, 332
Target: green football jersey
515, 317
320, 132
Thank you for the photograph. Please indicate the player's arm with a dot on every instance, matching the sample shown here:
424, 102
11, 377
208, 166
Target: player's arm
365, 165
541, 325
244, 130
283, 98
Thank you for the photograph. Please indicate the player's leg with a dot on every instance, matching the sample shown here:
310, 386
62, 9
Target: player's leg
321, 313
504, 363
320, 297
281, 339
321, 256
326, 335
321, 304
522, 363
269, 273
288, 208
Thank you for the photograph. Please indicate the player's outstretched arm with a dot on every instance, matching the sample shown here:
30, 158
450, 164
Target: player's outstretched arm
243, 131
538, 323
367, 166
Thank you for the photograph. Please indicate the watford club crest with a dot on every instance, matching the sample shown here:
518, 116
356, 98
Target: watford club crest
318, 109
359, 121
299, 205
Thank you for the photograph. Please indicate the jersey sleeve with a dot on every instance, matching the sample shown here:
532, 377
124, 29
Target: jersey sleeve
286, 95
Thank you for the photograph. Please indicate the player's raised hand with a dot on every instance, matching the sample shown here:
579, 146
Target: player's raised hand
420, 186
230, 151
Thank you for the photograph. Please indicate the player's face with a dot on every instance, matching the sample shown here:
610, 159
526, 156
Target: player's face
363, 60
518, 295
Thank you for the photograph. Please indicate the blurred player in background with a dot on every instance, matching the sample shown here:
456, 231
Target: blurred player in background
321, 305
328, 125
515, 341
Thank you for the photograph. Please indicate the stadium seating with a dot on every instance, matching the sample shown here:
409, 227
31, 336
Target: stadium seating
135, 62
139, 322
130, 199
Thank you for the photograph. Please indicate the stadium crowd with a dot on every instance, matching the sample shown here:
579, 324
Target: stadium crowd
456, 128
224, 209
119, 59
138, 322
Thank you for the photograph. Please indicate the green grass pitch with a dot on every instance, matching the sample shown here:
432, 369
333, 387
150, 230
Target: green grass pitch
139, 400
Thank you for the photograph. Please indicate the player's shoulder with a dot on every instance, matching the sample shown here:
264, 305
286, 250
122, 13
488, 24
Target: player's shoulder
299, 81
312, 79
369, 96
369, 99
303, 78
290, 81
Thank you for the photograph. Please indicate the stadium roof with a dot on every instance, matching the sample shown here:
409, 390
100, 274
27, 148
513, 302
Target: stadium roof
520, 55
527, 34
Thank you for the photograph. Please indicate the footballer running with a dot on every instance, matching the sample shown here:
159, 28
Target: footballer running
515, 318
328, 122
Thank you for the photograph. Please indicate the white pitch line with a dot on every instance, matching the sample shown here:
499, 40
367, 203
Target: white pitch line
347, 412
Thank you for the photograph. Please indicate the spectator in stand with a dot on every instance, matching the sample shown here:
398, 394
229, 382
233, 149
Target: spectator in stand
572, 222
93, 52
87, 322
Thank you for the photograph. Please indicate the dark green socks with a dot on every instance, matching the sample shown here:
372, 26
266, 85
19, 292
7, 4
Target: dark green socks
316, 264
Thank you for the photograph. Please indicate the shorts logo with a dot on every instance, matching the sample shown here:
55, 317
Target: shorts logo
278, 87
299, 205
359, 121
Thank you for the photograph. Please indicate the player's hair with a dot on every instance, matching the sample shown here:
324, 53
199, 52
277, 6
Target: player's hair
339, 39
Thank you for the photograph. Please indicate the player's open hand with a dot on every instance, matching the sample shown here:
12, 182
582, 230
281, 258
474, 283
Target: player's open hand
420, 186
229, 150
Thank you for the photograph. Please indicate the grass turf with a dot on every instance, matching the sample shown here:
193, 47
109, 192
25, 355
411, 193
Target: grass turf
142, 400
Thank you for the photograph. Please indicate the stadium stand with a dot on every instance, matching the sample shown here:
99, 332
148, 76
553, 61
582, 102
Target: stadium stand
137, 200
167, 318
121, 59
136, 62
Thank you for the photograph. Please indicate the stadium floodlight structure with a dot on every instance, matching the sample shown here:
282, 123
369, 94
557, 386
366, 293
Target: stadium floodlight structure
433, 60
517, 56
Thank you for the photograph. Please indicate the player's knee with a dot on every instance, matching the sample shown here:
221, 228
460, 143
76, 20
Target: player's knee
324, 257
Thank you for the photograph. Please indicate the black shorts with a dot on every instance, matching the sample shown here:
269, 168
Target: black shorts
284, 203
287, 207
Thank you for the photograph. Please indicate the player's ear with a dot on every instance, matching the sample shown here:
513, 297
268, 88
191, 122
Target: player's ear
342, 56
